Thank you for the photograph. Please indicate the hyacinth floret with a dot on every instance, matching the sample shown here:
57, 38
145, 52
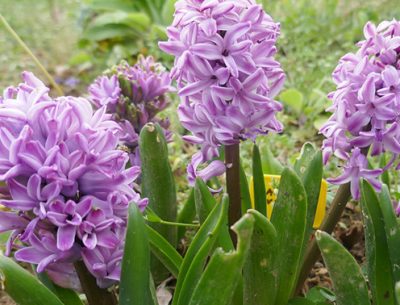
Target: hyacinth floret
134, 95
366, 106
68, 188
227, 74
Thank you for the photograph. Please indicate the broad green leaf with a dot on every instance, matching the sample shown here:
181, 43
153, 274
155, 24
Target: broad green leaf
199, 249
380, 274
397, 287
306, 155
158, 186
348, 281
186, 214
23, 287
163, 250
66, 296
260, 198
311, 177
270, 164
222, 274
392, 229
289, 219
135, 275
137, 21
260, 278
292, 98
203, 199
244, 191
109, 31
205, 202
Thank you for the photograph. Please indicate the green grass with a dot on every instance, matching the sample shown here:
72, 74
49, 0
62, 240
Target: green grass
48, 27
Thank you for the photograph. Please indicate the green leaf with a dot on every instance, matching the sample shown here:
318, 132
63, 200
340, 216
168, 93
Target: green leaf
137, 21
196, 256
219, 280
23, 287
312, 177
244, 191
163, 250
66, 296
260, 199
203, 199
205, 202
260, 278
320, 294
289, 219
305, 301
292, 98
158, 186
122, 5
348, 281
385, 177
397, 288
135, 275
380, 273
303, 161
270, 164
186, 214
108, 31
168, 11
392, 229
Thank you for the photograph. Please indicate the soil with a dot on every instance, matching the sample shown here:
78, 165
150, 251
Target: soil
5, 299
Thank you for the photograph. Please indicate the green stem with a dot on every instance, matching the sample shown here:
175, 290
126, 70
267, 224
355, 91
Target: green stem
94, 294
30, 53
232, 160
177, 224
337, 207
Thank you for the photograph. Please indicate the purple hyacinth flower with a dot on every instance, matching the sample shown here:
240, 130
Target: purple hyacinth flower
62, 167
355, 169
366, 100
133, 96
226, 72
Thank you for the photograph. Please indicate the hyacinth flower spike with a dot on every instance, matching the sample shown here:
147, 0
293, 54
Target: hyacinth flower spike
227, 79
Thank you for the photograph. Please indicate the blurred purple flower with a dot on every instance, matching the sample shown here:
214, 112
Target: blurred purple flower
62, 169
133, 95
365, 104
226, 72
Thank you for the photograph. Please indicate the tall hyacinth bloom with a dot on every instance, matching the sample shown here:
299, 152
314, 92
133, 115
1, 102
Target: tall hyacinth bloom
227, 75
68, 185
366, 105
133, 95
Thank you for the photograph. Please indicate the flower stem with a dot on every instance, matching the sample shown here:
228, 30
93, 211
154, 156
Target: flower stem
312, 254
176, 224
232, 160
30, 53
94, 294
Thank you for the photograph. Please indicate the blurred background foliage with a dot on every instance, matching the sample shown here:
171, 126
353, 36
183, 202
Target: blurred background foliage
77, 40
